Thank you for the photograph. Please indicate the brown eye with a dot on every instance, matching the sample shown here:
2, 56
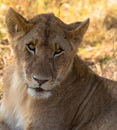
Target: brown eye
58, 51
31, 47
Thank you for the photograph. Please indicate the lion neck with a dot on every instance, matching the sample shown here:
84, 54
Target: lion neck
91, 93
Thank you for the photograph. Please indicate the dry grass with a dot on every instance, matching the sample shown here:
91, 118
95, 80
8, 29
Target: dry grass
99, 48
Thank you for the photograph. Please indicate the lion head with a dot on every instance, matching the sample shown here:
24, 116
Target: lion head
44, 49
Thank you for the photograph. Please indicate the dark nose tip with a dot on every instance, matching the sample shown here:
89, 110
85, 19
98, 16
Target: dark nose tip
40, 82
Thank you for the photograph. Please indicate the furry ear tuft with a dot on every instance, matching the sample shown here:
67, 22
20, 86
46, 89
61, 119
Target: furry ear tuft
76, 35
15, 23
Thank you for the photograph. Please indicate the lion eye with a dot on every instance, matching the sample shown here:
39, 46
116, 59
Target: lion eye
58, 52
31, 47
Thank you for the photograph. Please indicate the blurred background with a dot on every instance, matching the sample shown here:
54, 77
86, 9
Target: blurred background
99, 47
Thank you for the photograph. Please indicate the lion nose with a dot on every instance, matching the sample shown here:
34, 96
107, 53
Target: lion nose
40, 82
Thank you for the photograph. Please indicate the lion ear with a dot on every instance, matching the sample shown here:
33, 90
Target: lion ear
77, 33
16, 24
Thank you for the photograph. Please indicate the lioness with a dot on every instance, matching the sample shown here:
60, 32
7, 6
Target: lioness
49, 87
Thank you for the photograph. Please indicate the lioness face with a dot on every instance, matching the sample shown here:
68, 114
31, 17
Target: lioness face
45, 53
44, 48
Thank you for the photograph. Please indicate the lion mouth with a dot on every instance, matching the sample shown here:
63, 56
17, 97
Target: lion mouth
39, 89
38, 92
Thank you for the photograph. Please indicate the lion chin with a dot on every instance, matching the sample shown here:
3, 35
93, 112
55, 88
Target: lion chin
38, 93
42, 91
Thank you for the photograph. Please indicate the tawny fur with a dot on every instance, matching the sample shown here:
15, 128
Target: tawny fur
73, 97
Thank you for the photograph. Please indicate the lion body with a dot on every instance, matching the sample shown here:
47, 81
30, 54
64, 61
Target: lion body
53, 89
